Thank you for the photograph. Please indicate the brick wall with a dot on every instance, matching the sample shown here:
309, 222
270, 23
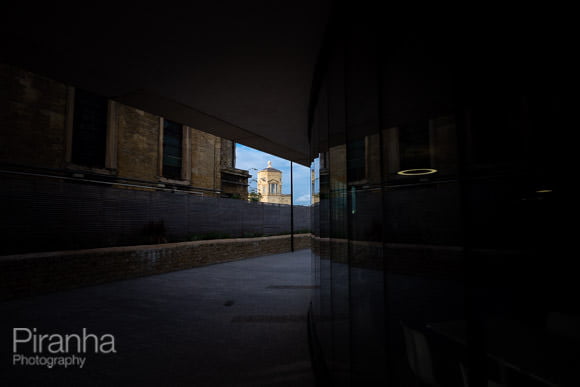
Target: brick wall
138, 144
33, 133
205, 160
31, 274
409, 259
32, 119
57, 214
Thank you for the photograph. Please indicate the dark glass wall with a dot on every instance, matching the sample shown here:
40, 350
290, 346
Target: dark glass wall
438, 254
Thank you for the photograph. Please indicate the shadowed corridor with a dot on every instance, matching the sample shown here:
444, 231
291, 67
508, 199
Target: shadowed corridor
240, 323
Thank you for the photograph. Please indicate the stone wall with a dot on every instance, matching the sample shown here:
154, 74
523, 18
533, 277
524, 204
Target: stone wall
235, 183
228, 154
31, 274
36, 130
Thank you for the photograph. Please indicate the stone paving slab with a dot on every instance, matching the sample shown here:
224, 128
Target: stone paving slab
240, 323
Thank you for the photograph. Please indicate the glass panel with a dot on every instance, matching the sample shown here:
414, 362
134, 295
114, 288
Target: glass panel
338, 259
356, 160
367, 287
441, 184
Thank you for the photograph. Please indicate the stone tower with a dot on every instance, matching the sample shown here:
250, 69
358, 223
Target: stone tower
270, 186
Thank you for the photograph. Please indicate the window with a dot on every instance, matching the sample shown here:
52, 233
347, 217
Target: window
172, 150
273, 188
91, 132
89, 129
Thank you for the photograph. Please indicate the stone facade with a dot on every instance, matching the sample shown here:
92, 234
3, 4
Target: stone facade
36, 121
270, 186
234, 180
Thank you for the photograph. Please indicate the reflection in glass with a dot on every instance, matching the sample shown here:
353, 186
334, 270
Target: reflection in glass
438, 204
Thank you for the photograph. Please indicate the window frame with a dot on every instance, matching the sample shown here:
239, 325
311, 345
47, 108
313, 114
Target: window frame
273, 184
111, 148
185, 155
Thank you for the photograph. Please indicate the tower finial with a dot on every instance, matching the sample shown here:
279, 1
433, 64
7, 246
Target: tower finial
269, 164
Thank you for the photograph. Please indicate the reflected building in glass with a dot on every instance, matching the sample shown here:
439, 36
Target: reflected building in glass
437, 255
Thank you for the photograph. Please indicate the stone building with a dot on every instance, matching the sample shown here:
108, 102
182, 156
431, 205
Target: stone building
270, 186
51, 129
234, 181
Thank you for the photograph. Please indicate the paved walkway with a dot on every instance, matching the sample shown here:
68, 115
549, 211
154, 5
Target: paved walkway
233, 324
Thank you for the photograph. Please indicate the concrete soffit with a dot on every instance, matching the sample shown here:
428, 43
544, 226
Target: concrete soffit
159, 105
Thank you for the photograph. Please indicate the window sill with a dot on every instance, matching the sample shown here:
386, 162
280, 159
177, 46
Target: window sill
83, 168
173, 181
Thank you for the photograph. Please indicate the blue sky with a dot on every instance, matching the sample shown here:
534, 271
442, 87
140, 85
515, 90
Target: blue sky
254, 160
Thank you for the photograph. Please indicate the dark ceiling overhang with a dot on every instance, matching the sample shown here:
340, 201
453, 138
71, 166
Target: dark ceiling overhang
238, 70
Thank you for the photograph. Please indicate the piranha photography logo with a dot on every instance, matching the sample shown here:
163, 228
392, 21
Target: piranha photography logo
31, 348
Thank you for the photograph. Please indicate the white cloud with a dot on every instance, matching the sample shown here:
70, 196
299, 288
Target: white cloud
303, 200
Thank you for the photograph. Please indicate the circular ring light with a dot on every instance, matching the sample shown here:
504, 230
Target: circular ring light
417, 172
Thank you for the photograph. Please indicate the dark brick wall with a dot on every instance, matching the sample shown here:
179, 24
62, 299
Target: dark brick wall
138, 144
56, 214
30, 274
33, 134
32, 119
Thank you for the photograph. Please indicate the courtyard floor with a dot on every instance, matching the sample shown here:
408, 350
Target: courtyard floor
240, 323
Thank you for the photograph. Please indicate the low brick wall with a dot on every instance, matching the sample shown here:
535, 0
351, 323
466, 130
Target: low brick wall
30, 274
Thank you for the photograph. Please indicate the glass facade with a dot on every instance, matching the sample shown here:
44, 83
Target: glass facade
437, 254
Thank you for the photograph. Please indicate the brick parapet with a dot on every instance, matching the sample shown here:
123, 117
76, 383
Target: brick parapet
31, 274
